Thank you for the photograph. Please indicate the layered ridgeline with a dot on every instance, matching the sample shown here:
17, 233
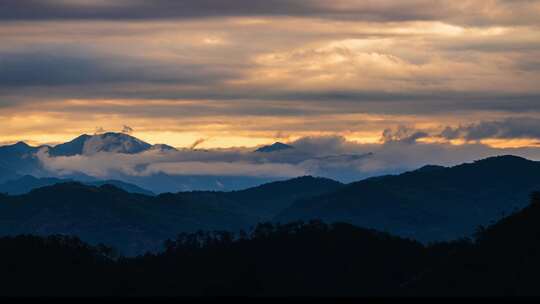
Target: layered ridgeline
135, 223
17, 160
6, 174
429, 204
312, 259
27, 183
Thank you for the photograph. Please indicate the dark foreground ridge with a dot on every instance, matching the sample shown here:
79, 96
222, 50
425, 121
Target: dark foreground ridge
298, 259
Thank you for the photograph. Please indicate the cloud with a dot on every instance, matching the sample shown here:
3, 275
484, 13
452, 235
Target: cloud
341, 66
107, 165
322, 156
328, 156
50, 66
238, 72
197, 143
510, 128
127, 129
403, 134
468, 12
99, 130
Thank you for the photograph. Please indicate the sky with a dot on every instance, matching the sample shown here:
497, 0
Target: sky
243, 73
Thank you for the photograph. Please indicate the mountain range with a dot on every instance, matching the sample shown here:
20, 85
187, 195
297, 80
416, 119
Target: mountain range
136, 223
27, 183
310, 259
21, 159
430, 204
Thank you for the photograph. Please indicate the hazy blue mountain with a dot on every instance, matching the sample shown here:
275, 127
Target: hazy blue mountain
262, 203
19, 159
162, 183
28, 183
135, 223
122, 185
74, 147
274, 147
432, 203
6, 174
268, 200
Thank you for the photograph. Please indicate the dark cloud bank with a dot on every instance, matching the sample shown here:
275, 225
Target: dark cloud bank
471, 12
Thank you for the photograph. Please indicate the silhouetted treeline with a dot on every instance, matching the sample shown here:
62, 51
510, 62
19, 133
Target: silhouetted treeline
295, 259
53, 266
306, 259
504, 261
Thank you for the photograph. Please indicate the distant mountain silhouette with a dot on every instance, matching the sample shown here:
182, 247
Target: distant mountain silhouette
264, 202
432, 203
136, 223
18, 159
274, 147
270, 199
28, 183
162, 182
6, 174
21, 159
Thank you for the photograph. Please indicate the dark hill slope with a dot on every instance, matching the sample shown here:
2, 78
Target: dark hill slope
432, 203
505, 261
135, 223
28, 183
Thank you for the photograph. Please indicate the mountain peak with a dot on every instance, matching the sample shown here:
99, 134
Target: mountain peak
277, 146
115, 142
106, 142
21, 144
